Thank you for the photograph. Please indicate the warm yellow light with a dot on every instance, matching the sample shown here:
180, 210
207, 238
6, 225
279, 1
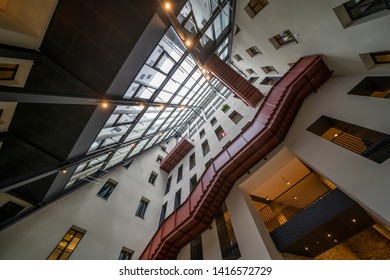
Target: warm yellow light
104, 104
204, 70
162, 106
141, 105
64, 171
208, 78
182, 108
168, 5
188, 43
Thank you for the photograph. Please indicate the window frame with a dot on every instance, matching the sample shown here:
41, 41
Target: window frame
205, 147
105, 194
179, 173
126, 252
142, 206
152, 178
62, 249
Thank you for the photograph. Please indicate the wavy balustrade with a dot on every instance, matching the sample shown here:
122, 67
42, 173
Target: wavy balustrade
265, 132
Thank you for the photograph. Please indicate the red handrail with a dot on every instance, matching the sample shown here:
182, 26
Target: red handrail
266, 131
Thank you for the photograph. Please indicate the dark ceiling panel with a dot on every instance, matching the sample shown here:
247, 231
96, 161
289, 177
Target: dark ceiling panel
52, 128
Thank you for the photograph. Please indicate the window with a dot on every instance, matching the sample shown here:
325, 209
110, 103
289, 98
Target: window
282, 38
268, 69
179, 173
193, 182
208, 163
374, 59
227, 239
237, 29
213, 121
205, 147
126, 254
254, 7
238, 57
177, 199
8, 71
250, 71
368, 143
357, 11
153, 177
225, 108
252, 80
269, 81
68, 243
143, 204
168, 186
373, 86
9, 210
202, 133
159, 159
253, 51
192, 160
381, 57
235, 117
107, 189
163, 213
163, 148
196, 249
220, 133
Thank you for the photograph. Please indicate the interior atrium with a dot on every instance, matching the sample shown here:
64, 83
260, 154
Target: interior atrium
197, 129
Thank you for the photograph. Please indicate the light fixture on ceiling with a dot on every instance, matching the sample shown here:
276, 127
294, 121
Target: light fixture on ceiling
167, 5
354, 220
307, 248
188, 42
64, 171
104, 104
329, 235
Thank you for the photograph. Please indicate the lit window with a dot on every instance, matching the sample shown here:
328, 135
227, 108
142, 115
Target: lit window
192, 160
381, 57
368, 143
143, 204
180, 173
107, 189
153, 177
168, 186
282, 38
220, 133
67, 245
8, 71
255, 6
235, 117
373, 86
205, 147
253, 51
177, 199
126, 254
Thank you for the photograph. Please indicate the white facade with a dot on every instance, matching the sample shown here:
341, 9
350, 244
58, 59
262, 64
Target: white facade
112, 224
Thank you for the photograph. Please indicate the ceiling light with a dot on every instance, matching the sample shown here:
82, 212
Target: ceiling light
335, 240
288, 183
104, 104
295, 197
353, 220
329, 235
267, 198
336, 135
64, 171
168, 5
188, 43
162, 106
204, 70
307, 248
182, 108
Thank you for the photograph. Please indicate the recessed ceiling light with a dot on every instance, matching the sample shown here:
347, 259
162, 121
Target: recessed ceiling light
104, 104
167, 5
64, 171
336, 135
306, 248
353, 220
188, 43
295, 197
329, 235
335, 240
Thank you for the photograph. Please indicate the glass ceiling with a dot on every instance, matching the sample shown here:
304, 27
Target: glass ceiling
172, 81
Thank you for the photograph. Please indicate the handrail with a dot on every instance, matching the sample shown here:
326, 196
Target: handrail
267, 130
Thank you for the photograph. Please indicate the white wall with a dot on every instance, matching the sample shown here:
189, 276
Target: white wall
110, 224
